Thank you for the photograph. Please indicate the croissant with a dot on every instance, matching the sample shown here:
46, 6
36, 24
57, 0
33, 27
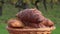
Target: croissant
30, 15
15, 23
34, 18
46, 23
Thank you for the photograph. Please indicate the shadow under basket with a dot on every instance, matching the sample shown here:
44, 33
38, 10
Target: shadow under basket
29, 31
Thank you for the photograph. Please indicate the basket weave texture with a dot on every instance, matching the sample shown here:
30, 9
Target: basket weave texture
29, 31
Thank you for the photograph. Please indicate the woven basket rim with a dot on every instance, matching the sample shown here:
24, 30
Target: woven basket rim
33, 29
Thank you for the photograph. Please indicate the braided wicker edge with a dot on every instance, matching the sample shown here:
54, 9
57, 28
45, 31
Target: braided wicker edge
33, 29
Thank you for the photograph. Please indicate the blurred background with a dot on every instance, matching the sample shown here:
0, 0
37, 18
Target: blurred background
49, 8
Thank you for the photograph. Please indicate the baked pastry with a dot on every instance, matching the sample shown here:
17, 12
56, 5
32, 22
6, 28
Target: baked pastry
30, 15
15, 23
34, 18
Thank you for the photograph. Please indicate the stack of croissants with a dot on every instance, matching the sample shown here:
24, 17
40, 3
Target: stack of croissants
30, 18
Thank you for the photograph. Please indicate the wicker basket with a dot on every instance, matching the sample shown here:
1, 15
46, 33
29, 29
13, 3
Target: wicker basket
29, 31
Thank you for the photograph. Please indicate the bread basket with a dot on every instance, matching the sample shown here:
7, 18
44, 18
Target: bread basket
30, 31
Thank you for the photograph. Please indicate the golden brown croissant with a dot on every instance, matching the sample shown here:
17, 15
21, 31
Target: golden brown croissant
34, 18
15, 23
